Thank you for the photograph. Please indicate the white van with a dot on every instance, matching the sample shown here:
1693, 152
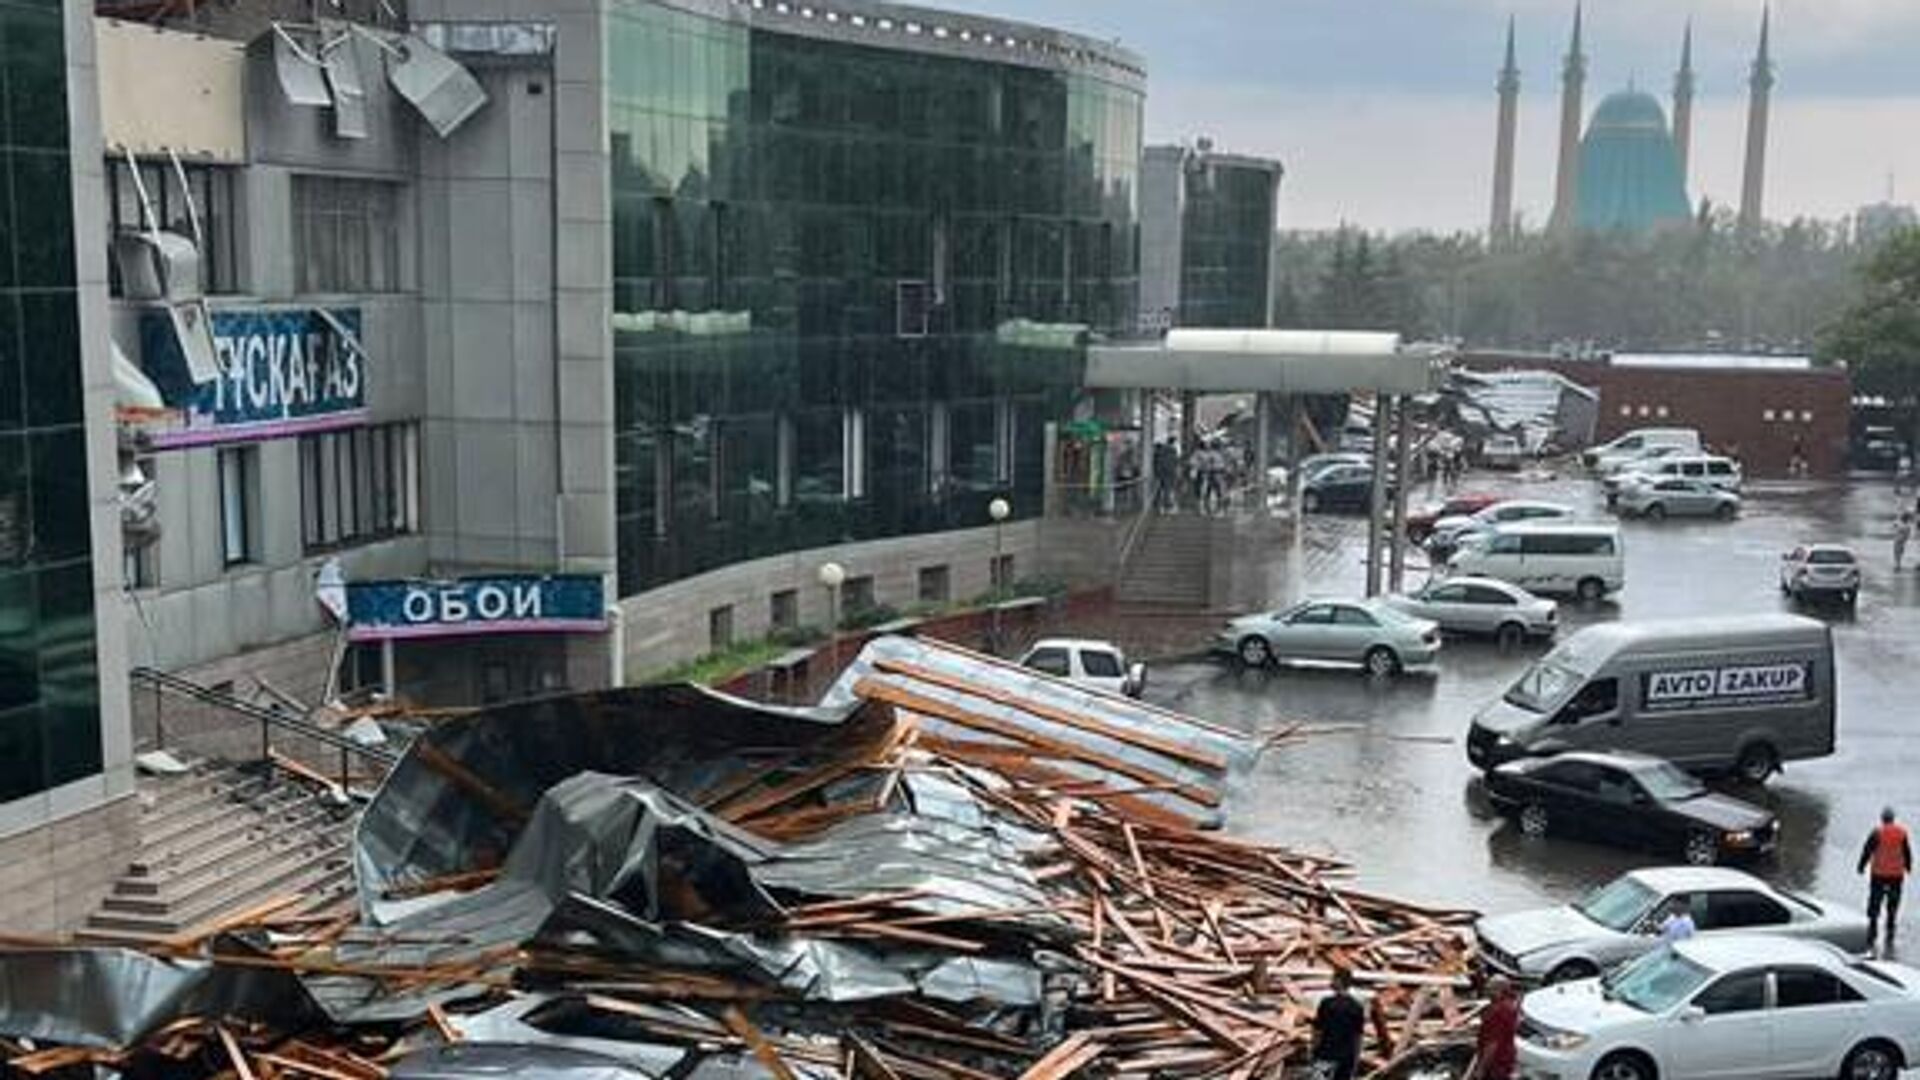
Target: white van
1721, 472
1585, 559
1610, 455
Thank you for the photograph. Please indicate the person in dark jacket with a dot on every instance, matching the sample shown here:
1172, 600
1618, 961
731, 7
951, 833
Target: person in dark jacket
1494, 1051
1887, 859
1339, 1026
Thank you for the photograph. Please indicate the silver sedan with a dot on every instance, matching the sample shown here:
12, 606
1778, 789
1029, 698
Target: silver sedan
1379, 638
1482, 606
1657, 498
1622, 919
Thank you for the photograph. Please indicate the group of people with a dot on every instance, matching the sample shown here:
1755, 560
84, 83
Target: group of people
1340, 1022
1204, 480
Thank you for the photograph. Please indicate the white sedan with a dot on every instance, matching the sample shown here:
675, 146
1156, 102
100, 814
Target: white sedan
1728, 1008
1371, 633
1098, 664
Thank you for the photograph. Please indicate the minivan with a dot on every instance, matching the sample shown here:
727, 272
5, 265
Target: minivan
1722, 472
1730, 693
1634, 443
1585, 559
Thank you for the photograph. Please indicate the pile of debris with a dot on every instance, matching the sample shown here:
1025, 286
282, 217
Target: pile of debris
952, 867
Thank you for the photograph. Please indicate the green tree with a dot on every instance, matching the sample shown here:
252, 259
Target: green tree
1878, 337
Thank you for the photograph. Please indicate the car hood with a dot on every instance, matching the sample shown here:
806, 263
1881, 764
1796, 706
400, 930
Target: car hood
1504, 718
1577, 1006
1722, 812
1523, 932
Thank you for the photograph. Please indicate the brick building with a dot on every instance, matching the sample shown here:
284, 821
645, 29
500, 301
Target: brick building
1754, 408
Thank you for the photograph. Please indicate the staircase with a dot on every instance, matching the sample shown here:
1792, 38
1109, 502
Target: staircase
218, 839
1170, 564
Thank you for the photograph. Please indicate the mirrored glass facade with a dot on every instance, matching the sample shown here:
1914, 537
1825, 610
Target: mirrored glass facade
1226, 242
817, 246
49, 696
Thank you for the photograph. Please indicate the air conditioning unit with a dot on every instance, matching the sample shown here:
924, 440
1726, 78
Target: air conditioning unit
157, 265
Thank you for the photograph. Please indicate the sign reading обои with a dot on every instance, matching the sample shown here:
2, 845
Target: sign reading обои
504, 604
282, 372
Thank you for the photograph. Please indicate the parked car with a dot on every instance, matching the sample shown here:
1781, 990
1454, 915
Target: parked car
1630, 800
1483, 606
1371, 633
1721, 693
1448, 531
1820, 570
1312, 464
1337, 487
1552, 556
1722, 472
1502, 452
1641, 459
1607, 455
1742, 1007
1656, 497
1621, 920
1099, 664
1420, 522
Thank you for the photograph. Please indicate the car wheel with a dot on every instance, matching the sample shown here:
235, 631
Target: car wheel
1655, 512
1624, 1066
1725, 512
1310, 502
1534, 820
1591, 589
1382, 661
1703, 848
1571, 971
1255, 652
1874, 1060
1511, 635
1757, 761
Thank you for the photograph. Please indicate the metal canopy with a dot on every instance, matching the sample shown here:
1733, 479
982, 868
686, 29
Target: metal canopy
1279, 361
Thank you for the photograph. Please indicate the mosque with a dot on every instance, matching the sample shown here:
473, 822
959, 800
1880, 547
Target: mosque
1629, 171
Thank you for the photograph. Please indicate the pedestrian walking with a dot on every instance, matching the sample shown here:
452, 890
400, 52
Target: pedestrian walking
1166, 475
1494, 1051
1339, 1028
1679, 924
1902, 532
1887, 859
1797, 464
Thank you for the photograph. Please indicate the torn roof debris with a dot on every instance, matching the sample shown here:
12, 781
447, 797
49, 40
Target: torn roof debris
951, 867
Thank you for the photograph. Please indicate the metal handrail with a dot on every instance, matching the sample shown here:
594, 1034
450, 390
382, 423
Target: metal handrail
268, 719
1138, 528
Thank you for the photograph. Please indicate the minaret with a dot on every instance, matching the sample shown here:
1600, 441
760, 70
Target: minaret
1760, 93
1683, 102
1500, 226
1573, 78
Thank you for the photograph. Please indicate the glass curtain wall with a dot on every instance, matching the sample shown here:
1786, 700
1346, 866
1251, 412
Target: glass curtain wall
814, 243
1226, 244
49, 689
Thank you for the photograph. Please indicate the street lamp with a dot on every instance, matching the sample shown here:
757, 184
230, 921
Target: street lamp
998, 510
832, 576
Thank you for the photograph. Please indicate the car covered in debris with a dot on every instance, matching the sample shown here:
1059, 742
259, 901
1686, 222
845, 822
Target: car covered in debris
1621, 920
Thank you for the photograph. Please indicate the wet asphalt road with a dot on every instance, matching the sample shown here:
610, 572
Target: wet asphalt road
1396, 795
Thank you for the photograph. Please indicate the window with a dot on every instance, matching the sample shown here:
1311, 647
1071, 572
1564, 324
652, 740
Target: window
1573, 775
1597, 698
1050, 660
1000, 572
1766, 414
346, 235
1314, 615
1615, 786
239, 491
359, 485
211, 188
1719, 468
856, 595
783, 609
360, 669
1484, 594
1742, 992
1101, 664
1352, 616
933, 584
720, 627
1798, 987
1733, 909
1448, 594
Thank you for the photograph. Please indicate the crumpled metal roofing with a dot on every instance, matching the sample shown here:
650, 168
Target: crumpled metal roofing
109, 997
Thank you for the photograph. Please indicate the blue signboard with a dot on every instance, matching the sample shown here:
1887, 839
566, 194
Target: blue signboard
284, 371
502, 604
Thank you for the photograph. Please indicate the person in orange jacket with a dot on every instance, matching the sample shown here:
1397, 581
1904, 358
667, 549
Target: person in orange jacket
1886, 860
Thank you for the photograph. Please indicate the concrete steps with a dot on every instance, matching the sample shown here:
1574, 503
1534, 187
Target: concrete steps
1171, 565
221, 838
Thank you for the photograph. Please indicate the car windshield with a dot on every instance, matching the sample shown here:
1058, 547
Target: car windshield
1542, 687
1668, 783
1618, 905
1655, 982
1830, 557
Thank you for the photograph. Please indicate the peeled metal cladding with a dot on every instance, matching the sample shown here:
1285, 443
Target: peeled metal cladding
106, 998
321, 66
445, 92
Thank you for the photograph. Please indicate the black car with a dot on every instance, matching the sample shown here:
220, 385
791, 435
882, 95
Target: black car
1338, 487
1630, 800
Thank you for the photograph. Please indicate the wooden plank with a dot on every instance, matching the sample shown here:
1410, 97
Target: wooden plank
220, 924
1018, 763
240, 1067
438, 1017
763, 1051
1074, 1053
878, 690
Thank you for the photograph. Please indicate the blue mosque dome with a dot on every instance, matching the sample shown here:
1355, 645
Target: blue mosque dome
1630, 175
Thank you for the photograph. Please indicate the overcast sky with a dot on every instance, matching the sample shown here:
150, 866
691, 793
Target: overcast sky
1383, 110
